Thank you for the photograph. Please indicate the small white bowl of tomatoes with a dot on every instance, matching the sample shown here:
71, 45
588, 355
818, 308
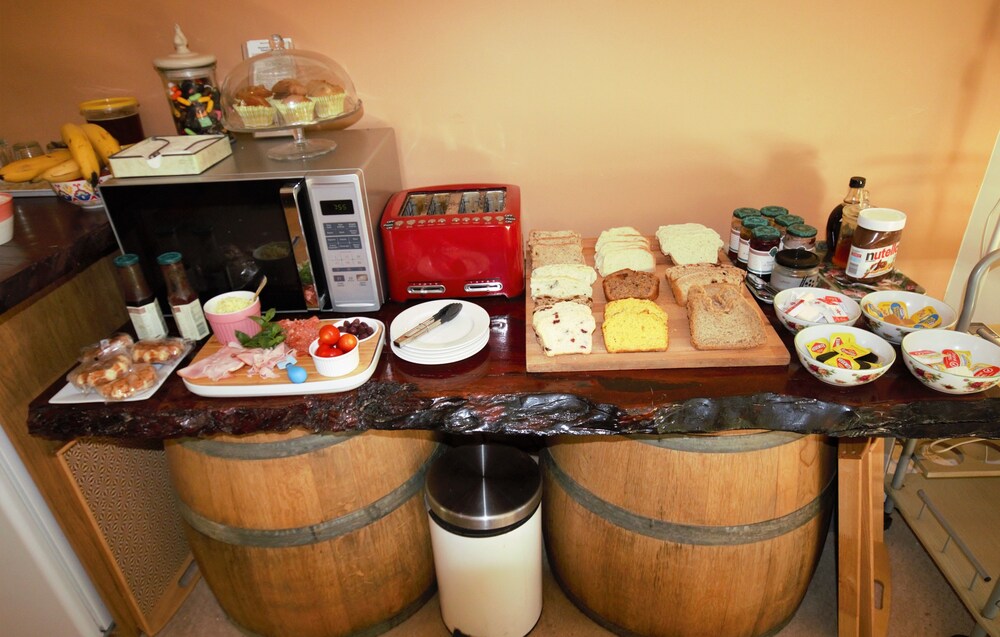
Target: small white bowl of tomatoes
334, 353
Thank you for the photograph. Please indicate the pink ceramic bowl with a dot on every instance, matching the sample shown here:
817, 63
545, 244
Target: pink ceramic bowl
226, 324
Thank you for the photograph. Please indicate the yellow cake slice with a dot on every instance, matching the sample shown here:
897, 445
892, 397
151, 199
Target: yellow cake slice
634, 325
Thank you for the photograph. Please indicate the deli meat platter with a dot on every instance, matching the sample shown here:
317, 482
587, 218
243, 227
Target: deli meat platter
242, 385
680, 352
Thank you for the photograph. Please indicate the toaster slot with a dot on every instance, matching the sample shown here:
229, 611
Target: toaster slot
416, 205
425, 289
496, 200
472, 202
443, 203
483, 287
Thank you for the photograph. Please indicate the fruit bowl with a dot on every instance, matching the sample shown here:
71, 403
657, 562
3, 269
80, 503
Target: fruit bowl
939, 340
784, 299
80, 192
834, 375
911, 302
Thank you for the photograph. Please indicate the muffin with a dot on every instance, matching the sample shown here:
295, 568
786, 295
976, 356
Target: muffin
328, 98
295, 109
253, 91
254, 111
288, 86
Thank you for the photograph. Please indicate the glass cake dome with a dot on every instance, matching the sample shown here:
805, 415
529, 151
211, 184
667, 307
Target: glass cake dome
286, 89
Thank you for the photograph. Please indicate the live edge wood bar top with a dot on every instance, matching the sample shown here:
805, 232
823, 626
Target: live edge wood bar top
488, 393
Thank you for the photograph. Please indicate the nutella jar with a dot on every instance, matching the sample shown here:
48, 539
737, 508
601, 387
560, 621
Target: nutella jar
874, 244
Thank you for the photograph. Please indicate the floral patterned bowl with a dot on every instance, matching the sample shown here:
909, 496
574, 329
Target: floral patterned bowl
980, 351
911, 303
833, 375
80, 192
786, 298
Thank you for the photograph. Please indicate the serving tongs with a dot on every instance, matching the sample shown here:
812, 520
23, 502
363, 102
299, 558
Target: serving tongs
440, 317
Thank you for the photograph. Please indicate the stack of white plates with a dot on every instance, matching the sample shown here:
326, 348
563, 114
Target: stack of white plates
453, 341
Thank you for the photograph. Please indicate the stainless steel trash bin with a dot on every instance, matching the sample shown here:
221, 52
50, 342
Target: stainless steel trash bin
484, 510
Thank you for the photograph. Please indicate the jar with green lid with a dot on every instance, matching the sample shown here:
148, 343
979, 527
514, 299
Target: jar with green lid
799, 235
734, 231
773, 212
764, 242
795, 268
782, 222
749, 223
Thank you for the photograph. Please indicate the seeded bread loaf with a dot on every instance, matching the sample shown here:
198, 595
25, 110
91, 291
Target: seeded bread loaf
631, 284
683, 277
553, 253
564, 328
721, 317
552, 236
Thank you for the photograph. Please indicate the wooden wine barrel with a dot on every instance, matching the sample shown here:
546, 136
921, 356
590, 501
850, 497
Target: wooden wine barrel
688, 536
305, 535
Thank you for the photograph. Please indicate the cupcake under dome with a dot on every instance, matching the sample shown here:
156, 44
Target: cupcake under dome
287, 89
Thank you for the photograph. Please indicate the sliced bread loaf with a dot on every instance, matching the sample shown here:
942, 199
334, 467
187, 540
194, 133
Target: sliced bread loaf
634, 325
688, 243
564, 328
721, 317
682, 277
630, 284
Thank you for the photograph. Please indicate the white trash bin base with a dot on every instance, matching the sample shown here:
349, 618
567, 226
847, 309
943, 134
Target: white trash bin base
490, 586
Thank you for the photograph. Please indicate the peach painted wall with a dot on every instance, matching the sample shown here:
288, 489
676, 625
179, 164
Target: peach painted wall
605, 113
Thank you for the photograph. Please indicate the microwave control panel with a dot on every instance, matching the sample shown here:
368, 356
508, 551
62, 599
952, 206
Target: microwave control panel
347, 247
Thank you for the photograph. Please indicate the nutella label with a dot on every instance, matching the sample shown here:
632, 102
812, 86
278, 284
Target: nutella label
865, 263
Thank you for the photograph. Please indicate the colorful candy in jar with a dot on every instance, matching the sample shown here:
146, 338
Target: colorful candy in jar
194, 103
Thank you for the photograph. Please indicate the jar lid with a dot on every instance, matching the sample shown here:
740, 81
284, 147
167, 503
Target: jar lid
754, 221
773, 211
183, 57
108, 105
169, 257
126, 260
765, 232
483, 487
740, 213
882, 219
797, 259
788, 220
801, 230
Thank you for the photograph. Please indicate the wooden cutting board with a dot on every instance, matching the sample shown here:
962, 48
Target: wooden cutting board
680, 352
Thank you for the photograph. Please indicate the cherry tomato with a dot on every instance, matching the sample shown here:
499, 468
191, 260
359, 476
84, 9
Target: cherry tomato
328, 334
323, 350
347, 342
335, 351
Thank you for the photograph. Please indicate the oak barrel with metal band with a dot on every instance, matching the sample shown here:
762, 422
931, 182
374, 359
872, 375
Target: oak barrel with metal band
688, 535
309, 535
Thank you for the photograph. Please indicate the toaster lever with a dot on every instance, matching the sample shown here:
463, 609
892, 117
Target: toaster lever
484, 286
425, 289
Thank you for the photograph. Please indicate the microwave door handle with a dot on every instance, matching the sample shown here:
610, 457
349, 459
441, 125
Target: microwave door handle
303, 264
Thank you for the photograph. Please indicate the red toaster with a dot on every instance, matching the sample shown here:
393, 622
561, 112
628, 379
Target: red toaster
462, 240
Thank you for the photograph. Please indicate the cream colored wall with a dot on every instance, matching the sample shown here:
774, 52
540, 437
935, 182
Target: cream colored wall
605, 113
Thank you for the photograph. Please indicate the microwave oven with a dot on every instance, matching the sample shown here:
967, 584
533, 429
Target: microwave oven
310, 226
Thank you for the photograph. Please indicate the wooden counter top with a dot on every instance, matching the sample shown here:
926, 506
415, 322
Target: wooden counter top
490, 392
52, 240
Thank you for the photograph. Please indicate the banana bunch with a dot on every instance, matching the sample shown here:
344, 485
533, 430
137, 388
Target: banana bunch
88, 147
31, 169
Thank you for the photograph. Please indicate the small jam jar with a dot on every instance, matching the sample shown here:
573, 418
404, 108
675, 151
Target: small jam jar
749, 223
795, 268
773, 212
782, 222
764, 241
874, 244
799, 235
734, 230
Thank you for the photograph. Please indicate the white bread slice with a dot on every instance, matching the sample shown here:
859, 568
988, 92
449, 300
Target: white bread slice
634, 258
564, 328
560, 287
689, 243
577, 271
615, 233
721, 317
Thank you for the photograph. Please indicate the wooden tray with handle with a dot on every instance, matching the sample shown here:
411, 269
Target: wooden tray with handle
680, 352
239, 384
